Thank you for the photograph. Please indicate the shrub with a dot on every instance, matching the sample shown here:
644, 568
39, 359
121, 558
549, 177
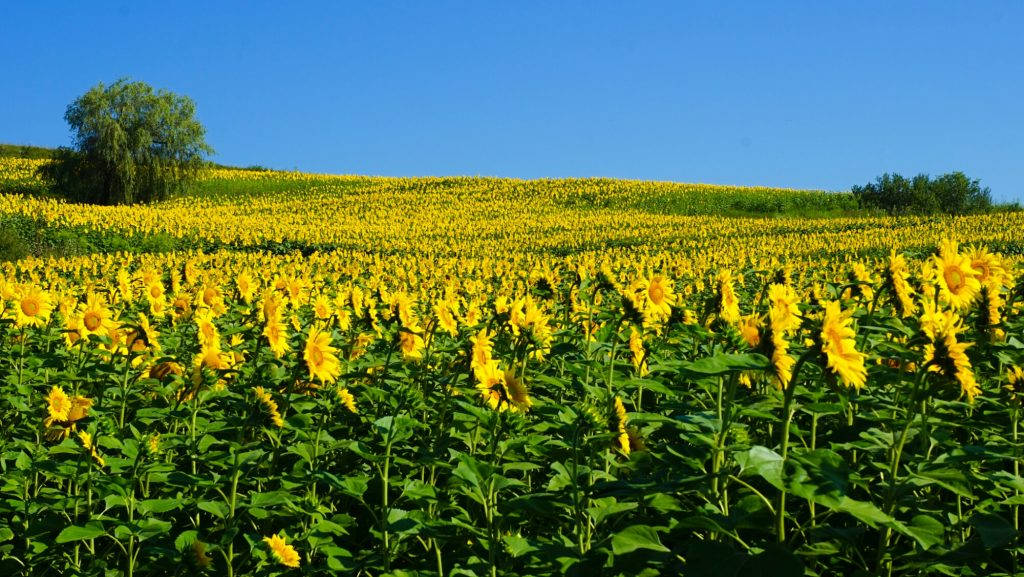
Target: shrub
952, 193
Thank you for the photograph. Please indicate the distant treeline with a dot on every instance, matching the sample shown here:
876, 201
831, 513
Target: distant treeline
953, 193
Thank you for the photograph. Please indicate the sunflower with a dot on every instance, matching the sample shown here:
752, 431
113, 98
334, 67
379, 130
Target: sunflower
728, 302
320, 357
445, 318
956, 278
776, 347
346, 399
944, 353
411, 345
96, 317
1015, 383
636, 346
246, 287
482, 347
207, 331
322, 307
79, 408
270, 405
501, 390
518, 393
142, 336
283, 552
784, 312
58, 404
87, 443
277, 335
491, 384
988, 266
659, 295
621, 420
750, 330
32, 307
896, 277
839, 346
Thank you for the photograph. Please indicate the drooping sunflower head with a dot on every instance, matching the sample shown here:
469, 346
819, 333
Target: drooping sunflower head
411, 345
784, 311
728, 302
1015, 384
620, 422
840, 348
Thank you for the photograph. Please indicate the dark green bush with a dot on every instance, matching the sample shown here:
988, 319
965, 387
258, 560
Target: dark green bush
952, 193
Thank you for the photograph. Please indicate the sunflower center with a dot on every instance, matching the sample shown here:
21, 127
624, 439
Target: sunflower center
657, 293
317, 356
92, 320
954, 279
30, 307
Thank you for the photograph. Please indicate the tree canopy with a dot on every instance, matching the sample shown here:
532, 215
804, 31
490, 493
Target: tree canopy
131, 144
952, 193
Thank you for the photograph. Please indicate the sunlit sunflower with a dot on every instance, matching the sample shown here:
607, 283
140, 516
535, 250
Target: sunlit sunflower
270, 405
482, 348
659, 295
322, 307
944, 353
728, 302
277, 335
445, 318
784, 310
320, 356
636, 346
346, 399
956, 278
58, 404
246, 287
96, 316
32, 307
410, 344
839, 345
896, 276
621, 420
750, 327
283, 552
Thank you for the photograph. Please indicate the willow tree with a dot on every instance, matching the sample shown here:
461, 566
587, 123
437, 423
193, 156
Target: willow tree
132, 144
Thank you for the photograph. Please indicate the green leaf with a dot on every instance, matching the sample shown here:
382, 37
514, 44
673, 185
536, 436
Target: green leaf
159, 505
637, 537
517, 546
727, 362
950, 479
269, 499
926, 530
763, 462
993, 529
215, 508
91, 530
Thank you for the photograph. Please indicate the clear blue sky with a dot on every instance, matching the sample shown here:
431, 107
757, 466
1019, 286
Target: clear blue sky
815, 94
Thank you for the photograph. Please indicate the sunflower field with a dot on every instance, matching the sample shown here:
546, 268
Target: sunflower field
335, 375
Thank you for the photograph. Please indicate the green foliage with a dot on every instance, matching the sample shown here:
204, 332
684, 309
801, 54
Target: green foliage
952, 193
25, 151
132, 144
